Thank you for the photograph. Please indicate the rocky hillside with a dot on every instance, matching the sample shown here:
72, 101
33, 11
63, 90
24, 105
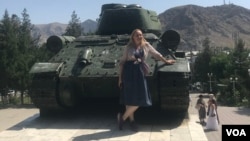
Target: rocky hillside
221, 24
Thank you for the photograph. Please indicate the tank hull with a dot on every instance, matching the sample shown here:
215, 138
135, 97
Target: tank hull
169, 89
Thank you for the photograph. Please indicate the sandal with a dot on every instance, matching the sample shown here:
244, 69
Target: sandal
120, 121
133, 126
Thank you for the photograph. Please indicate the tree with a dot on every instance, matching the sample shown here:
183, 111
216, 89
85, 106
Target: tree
201, 65
74, 27
231, 65
23, 79
241, 64
18, 52
8, 49
219, 64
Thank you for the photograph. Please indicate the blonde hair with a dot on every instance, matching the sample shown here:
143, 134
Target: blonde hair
131, 42
211, 96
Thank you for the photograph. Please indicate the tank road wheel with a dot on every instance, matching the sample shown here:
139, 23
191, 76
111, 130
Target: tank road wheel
66, 95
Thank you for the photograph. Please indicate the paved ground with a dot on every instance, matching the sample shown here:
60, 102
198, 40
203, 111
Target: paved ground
227, 115
24, 124
9, 117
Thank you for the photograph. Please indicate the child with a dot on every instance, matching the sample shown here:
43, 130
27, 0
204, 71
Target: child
201, 107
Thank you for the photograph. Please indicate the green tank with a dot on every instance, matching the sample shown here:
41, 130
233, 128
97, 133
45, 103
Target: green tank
84, 70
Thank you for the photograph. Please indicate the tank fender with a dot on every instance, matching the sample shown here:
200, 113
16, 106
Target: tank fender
46, 68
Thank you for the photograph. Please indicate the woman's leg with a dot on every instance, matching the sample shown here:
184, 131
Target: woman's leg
131, 116
129, 112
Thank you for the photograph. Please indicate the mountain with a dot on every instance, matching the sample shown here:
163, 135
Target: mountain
221, 24
47, 30
89, 26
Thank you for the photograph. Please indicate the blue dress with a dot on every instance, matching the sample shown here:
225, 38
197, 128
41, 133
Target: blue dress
134, 90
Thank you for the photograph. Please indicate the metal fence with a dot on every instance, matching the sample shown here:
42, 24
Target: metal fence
15, 100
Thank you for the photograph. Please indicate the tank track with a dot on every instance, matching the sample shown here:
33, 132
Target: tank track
43, 91
174, 91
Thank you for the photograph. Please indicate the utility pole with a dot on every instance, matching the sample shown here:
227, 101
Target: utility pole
210, 81
233, 80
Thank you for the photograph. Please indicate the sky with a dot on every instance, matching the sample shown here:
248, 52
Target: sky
49, 11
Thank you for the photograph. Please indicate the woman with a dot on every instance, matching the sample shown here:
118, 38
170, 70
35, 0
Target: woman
132, 81
201, 107
212, 97
212, 122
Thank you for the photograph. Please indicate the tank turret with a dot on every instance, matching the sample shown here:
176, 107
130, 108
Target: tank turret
123, 19
84, 70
